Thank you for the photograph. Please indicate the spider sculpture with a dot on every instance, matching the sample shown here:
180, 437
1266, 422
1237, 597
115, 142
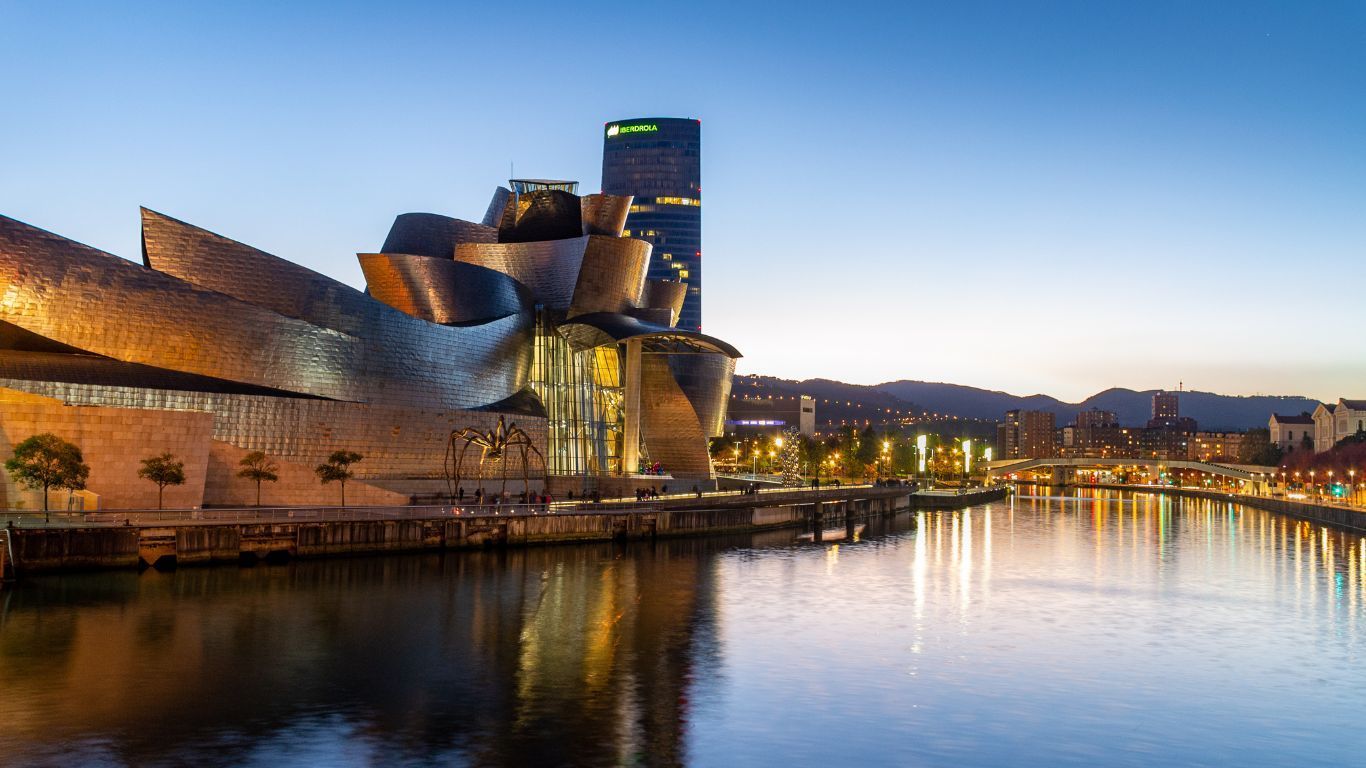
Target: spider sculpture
493, 445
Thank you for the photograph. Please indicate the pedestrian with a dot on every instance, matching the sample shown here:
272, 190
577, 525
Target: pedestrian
697, 491
460, 494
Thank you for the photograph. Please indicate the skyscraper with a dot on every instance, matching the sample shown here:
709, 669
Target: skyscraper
659, 161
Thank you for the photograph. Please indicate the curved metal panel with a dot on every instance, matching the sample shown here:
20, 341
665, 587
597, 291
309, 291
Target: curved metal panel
605, 214
612, 275
431, 234
550, 269
76, 368
351, 347
137, 315
441, 290
665, 294
543, 214
398, 357
196, 255
599, 328
705, 381
673, 435
493, 216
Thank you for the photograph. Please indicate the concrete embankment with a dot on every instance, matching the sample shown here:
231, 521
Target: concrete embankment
1338, 517
195, 542
75, 547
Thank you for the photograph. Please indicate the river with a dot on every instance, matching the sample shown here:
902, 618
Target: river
1098, 628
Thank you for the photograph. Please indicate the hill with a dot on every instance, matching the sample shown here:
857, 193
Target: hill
1213, 411
931, 401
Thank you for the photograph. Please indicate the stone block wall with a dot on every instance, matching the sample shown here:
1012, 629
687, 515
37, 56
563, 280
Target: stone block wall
298, 485
113, 441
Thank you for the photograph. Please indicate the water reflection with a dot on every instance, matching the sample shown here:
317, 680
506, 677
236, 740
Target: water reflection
1120, 629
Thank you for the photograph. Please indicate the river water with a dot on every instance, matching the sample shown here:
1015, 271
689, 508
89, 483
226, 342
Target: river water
1093, 629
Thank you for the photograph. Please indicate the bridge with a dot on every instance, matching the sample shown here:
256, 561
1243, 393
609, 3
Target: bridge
1061, 470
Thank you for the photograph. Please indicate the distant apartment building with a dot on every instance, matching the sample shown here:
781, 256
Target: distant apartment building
1028, 435
1334, 421
1288, 432
769, 415
1167, 413
1166, 405
1095, 417
1215, 446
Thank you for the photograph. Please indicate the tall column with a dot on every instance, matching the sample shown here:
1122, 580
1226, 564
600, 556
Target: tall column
630, 442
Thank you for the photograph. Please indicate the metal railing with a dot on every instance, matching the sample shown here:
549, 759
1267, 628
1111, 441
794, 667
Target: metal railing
305, 514
265, 515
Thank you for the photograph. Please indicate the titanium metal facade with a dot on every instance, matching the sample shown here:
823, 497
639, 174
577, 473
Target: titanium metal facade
658, 160
525, 315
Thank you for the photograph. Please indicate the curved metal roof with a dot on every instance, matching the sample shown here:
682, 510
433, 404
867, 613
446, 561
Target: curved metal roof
598, 328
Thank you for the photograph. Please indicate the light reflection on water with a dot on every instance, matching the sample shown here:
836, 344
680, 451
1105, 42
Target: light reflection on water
1091, 629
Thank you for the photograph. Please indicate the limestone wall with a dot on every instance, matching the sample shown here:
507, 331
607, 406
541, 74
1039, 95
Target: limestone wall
113, 442
298, 485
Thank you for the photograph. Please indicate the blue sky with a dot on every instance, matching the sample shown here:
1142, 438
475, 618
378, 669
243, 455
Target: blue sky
1038, 197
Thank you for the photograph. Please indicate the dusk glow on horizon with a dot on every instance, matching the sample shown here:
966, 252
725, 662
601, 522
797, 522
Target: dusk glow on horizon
1058, 198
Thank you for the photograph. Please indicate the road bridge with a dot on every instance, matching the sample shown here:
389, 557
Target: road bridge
1063, 470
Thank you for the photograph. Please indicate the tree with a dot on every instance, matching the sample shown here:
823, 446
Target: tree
257, 467
47, 461
867, 449
338, 468
163, 470
1257, 448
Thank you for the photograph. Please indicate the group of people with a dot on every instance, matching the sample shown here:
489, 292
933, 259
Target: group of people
646, 468
499, 499
645, 494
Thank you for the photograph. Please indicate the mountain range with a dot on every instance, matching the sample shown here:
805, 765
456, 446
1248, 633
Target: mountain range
1213, 412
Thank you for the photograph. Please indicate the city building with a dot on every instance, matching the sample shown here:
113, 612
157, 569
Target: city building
1215, 446
1167, 414
537, 322
1289, 432
753, 415
658, 161
1027, 435
1166, 406
1095, 417
1335, 421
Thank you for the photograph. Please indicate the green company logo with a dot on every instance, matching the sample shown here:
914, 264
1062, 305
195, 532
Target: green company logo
617, 129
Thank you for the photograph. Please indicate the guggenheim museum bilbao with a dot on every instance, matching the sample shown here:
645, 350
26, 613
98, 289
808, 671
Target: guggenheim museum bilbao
539, 315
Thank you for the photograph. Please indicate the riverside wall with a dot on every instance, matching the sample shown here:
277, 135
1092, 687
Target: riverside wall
38, 550
1326, 514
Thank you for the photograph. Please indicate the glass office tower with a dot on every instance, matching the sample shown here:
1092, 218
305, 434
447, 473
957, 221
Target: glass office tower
659, 161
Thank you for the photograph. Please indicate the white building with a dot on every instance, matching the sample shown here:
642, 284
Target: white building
1334, 422
1288, 432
